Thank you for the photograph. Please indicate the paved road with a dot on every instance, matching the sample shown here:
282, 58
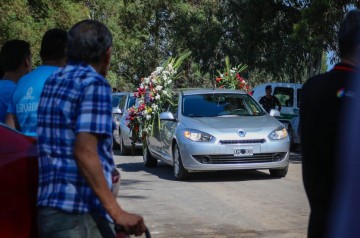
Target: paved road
221, 204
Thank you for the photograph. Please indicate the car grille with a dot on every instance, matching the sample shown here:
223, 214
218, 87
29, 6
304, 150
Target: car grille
231, 159
231, 142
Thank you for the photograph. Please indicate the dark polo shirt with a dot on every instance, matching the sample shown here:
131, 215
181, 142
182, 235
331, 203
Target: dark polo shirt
321, 110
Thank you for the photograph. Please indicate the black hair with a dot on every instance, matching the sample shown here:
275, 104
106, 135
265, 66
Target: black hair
13, 53
53, 45
268, 87
349, 33
88, 41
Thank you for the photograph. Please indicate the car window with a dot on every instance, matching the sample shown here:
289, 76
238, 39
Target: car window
131, 102
122, 102
285, 96
116, 99
214, 105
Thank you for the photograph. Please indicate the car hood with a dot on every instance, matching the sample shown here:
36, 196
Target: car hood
225, 124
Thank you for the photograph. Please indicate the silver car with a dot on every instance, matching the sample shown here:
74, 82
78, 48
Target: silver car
121, 102
211, 130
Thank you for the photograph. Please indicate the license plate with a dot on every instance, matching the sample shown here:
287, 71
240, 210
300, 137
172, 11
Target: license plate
243, 151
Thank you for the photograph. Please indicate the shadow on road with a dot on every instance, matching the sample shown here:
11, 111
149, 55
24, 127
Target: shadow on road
230, 176
295, 158
137, 152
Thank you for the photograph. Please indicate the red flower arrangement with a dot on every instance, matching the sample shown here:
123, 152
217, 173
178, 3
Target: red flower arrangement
231, 78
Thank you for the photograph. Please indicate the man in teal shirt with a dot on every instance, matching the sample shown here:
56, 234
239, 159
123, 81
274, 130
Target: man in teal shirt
15, 59
22, 110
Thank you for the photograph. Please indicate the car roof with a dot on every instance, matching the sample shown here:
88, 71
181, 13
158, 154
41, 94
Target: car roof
123, 93
120, 93
280, 84
194, 91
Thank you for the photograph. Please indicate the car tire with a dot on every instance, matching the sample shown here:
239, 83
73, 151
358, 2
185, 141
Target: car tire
180, 173
116, 146
291, 137
279, 173
149, 160
123, 149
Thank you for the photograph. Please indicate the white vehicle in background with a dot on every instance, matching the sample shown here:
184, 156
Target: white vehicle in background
121, 102
289, 95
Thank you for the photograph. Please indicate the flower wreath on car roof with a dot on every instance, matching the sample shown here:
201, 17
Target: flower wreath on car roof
156, 91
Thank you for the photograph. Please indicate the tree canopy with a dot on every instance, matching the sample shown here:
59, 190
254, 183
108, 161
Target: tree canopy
280, 40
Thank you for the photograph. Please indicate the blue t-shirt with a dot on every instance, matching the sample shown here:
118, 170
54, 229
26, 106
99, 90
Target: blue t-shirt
25, 100
7, 88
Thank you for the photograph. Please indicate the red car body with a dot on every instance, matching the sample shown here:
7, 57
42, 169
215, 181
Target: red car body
18, 184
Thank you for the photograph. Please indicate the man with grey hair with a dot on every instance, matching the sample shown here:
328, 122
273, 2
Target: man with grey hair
324, 99
75, 143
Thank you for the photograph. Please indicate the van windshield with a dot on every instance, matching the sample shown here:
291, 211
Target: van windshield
285, 96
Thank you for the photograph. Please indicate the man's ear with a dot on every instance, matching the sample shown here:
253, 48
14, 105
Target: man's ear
108, 57
28, 63
106, 63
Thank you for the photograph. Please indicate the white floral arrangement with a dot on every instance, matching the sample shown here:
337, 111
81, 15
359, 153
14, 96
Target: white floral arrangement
154, 92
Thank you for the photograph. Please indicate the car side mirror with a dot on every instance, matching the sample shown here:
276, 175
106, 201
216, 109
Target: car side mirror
167, 116
274, 113
116, 110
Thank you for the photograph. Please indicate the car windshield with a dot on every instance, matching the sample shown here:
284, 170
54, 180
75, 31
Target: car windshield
115, 100
220, 105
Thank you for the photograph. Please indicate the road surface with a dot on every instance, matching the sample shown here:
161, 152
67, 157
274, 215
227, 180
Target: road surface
220, 204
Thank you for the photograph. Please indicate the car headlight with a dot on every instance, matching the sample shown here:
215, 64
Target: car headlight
197, 136
278, 134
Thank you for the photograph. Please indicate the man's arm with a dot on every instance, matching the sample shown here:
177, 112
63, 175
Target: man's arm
261, 101
278, 103
87, 159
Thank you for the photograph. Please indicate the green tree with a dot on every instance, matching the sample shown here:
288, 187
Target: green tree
280, 40
29, 20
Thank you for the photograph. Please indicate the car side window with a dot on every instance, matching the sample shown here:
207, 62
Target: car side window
122, 102
131, 102
285, 96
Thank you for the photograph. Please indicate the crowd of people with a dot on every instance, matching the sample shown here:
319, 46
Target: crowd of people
66, 104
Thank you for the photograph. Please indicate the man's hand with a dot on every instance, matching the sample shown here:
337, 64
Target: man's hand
88, 161
132, 223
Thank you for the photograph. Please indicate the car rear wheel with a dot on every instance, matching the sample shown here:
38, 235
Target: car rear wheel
149, 160
123, 149
279, 173
180, 172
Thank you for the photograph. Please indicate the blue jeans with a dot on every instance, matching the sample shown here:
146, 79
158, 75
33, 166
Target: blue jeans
55, 223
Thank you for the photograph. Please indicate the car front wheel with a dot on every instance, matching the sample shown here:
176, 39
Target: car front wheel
180, 172
123, 149
279, 172
116, 146
149, 160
